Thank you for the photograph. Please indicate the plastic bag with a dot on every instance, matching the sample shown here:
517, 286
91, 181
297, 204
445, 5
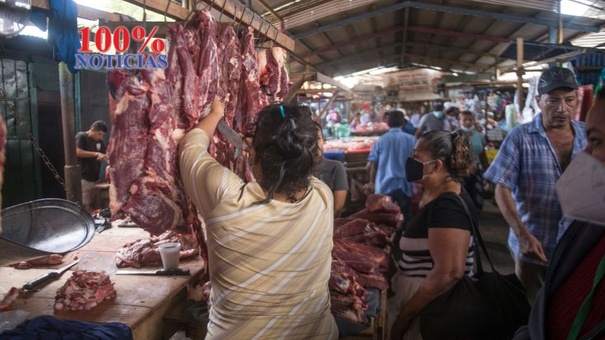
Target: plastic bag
11, 319
96, 262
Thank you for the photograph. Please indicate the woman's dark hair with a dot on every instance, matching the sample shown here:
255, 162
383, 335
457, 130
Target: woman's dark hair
285, 142
454, 148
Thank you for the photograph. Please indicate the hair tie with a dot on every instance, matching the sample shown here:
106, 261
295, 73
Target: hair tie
281, 110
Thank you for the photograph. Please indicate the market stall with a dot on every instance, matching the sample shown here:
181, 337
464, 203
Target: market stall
151, 305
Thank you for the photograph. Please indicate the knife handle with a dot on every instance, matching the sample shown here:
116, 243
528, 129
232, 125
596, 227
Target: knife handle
40, 280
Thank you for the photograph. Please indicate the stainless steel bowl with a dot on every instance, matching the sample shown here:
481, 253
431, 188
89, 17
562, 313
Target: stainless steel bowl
43, 227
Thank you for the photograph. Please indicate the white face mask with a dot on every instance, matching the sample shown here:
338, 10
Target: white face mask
581, 189
438, 114
465, 129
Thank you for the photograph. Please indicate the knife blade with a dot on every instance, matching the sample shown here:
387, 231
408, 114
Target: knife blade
231, 135
33, 284
160, 272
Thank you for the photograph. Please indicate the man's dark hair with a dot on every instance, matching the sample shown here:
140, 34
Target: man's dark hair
99, 125
285, 142
437, 105
395, 118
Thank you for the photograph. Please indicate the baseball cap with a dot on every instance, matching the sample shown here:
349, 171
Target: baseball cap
556, 77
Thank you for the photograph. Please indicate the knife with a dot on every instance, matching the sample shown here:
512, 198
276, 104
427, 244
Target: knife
31, 285
231, 135
160, 272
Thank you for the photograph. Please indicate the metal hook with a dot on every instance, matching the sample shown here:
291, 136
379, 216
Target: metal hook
166, 10
267, 32
241, 19
222, 10
144, 13
259, 31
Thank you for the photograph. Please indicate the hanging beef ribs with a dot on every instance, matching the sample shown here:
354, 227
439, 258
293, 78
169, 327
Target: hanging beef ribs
128, 144
252, 100
274, 78
207, 61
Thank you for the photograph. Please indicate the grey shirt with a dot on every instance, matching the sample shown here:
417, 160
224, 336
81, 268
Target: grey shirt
429, 122
333, 174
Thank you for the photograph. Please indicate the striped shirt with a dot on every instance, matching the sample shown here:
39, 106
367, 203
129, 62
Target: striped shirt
527, 165
269, 264
445, 211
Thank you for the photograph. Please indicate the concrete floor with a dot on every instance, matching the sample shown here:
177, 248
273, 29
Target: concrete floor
494, 231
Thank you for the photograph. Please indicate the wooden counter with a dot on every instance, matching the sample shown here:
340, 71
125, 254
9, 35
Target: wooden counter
147, 304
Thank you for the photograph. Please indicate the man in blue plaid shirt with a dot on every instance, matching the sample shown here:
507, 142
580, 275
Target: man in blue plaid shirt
530, 161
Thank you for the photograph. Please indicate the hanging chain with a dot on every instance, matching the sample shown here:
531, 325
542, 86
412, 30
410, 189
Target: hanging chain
13, 112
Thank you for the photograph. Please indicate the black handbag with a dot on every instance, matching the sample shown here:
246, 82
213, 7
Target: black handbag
486, 306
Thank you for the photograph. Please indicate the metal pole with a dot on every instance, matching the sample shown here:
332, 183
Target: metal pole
520, 71
73, 187
560, 28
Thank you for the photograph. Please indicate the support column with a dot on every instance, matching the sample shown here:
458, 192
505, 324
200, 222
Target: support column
73, 187
520, 71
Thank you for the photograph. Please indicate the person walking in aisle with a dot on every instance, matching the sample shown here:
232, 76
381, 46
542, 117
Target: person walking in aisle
529, 162
559, 311
386, 163
432, 121
435, 249
474, 183
90, 150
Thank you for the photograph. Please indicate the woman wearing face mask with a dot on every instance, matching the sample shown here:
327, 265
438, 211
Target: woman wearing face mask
436, 244
474, 184
568, 307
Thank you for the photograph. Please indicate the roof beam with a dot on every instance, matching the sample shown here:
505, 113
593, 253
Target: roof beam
441, 8
230, 8
422, 29
84, 12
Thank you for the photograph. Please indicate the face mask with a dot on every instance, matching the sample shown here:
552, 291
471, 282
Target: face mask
465, 129
438, 114
581, 189
414, 170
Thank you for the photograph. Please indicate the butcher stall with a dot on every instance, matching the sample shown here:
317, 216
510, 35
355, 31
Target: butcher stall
353, 153
218, 49
150, 305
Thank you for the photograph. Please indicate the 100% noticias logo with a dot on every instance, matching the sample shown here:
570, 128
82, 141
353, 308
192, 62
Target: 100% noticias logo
120, 40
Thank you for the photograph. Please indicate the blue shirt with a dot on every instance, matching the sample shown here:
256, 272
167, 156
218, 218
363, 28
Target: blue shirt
527, 165
390, 152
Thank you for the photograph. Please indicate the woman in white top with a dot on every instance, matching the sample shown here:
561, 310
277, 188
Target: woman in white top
269, 242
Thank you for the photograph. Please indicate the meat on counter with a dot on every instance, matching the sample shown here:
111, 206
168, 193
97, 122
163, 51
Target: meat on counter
144, 252
84, 290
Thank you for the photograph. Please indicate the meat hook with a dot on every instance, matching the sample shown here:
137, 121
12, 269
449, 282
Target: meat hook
242, 17
259, 31
265, 37
144, 13
222, 10
166, 10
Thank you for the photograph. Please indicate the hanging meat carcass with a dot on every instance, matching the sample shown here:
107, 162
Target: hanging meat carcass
274, 78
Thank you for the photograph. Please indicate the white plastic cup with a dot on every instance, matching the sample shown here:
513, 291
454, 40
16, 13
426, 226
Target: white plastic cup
170, 255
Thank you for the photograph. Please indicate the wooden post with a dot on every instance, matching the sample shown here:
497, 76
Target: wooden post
520, 71
73, 186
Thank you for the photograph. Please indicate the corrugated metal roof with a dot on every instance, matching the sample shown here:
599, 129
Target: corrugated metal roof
340, 37
543, 5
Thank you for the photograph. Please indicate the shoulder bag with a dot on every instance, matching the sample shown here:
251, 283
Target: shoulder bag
486, 306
